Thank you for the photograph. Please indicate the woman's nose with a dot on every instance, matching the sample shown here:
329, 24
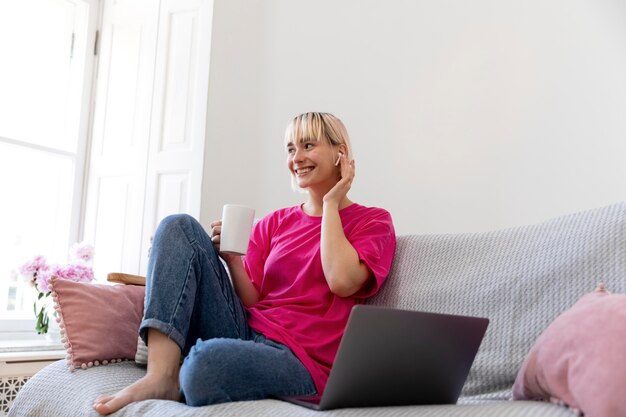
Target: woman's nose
297, 154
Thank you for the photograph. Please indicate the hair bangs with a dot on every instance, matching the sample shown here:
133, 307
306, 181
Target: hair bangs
307, 127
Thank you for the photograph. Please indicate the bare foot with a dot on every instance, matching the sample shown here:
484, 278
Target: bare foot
149, 387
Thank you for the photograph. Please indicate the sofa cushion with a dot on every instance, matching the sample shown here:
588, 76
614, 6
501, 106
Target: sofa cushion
56, 392
99, 322
520, 278
578, 359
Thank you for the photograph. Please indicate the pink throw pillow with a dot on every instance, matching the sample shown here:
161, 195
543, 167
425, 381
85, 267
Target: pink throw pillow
99, 323
580, 359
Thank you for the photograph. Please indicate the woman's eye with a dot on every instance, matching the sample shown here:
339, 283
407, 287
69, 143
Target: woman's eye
308, 146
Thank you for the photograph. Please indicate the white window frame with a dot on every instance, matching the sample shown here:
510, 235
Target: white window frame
14, 328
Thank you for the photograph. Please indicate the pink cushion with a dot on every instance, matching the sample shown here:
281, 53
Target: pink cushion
99, 322
580, 359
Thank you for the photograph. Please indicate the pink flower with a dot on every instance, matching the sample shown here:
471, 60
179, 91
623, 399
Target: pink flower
75, 272
42, 278
72, 272
82, 251
30, 268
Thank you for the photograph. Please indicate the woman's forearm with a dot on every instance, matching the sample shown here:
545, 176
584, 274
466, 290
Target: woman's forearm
247, 292
344, 271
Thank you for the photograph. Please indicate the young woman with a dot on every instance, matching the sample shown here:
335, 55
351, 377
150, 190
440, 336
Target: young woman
275, 331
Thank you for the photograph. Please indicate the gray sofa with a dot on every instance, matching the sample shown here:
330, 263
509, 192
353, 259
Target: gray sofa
521, 278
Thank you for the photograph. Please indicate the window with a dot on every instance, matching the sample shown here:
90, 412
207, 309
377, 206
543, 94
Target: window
45, 82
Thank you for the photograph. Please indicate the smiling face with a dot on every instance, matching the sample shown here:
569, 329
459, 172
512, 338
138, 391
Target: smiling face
313, 141
312, 163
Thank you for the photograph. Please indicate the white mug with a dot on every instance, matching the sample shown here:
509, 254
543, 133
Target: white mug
237, 223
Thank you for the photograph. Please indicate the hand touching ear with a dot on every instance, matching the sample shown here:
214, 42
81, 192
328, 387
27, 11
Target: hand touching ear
336, 194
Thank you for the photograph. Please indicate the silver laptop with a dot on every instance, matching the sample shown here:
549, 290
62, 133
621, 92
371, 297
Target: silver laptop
398, 357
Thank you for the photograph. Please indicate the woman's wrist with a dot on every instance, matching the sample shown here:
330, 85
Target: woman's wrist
230, 259
330, 205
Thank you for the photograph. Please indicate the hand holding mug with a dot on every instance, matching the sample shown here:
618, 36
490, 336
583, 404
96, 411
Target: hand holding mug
231, 234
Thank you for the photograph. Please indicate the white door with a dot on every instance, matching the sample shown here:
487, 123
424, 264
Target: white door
177, 134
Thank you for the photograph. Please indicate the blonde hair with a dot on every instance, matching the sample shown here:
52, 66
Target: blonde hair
317, 127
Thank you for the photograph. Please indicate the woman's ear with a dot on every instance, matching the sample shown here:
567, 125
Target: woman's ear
341, 151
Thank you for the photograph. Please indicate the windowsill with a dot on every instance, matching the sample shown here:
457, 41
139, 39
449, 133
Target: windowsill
19, 343
26, 345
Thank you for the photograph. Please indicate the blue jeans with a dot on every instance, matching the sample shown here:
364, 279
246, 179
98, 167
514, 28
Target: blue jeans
189, 298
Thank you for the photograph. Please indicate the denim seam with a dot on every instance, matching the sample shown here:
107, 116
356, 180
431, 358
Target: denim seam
179, 302
184, 287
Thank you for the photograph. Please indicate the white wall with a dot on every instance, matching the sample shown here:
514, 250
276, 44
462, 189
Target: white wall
465, 116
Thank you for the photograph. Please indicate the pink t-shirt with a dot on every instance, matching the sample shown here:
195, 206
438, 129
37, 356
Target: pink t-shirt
296, 307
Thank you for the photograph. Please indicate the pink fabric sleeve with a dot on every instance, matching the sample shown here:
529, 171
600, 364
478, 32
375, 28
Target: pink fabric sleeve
375, 242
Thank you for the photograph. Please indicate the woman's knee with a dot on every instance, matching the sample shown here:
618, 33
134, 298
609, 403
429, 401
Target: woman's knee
177, 221
178, 226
